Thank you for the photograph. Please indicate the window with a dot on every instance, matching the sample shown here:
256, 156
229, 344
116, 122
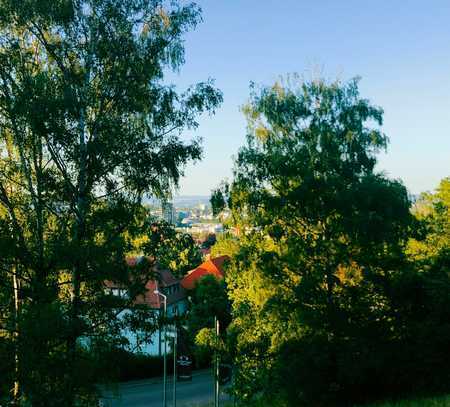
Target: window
119, 292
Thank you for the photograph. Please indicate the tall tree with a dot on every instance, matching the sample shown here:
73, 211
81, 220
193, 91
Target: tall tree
208, 301
315, 220
87, 127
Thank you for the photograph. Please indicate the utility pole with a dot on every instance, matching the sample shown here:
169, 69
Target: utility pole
165, 356
216, 367
175, 341
157, 292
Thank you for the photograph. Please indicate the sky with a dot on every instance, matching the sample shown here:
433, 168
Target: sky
400, 49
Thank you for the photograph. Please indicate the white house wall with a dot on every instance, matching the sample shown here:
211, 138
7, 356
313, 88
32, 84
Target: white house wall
155, 345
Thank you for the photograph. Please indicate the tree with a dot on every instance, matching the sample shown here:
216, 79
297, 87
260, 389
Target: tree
316, 238
432, 229
420, 296
209, 241
87, 127
209, 300
173, 250
226, 245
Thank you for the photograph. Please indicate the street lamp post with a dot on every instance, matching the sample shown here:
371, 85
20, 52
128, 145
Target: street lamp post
216, 366
157, 292
175, 340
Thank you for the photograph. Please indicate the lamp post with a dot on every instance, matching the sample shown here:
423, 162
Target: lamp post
216, 365
164, 297
175, 340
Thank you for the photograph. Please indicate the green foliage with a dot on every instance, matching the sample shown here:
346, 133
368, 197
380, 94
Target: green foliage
88, 126
219, 198
6, 367
176, 251
432, 228
226, 245
442, 401
129, 366
209, 299
207, 343
209, 241
309, 284
206, 337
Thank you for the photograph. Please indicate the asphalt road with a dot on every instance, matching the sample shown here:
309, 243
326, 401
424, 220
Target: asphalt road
149, 393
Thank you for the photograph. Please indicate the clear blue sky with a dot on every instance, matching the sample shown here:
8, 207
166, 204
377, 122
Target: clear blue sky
401, 49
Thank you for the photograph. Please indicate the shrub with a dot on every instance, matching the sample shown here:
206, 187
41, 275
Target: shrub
130, 366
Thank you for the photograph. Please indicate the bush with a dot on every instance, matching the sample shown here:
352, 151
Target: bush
130, 366
403, 354
6, 367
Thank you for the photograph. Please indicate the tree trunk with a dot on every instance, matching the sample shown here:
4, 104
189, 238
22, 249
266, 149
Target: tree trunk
16, 388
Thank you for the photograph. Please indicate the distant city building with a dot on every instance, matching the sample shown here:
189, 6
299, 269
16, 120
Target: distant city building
206, 228
157, 213
168, 212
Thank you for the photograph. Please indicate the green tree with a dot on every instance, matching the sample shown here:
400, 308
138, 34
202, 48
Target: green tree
208, 300
173, 250
319, 227
88, 126
209, 241
420, 297
226, 245
432, 231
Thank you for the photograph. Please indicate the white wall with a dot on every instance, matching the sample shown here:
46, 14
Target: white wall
155, 345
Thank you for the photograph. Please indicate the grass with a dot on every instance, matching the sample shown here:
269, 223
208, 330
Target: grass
443, 401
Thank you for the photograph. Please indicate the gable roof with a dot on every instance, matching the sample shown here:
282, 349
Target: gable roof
210, 267
164, 278
154, 300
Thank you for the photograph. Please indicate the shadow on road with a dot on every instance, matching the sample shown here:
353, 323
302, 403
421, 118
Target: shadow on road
148, 393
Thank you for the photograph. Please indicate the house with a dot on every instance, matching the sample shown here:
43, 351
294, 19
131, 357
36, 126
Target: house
177, 299
210, 267
167, 284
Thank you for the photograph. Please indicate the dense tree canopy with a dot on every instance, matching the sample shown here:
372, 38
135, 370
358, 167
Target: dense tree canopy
208, 301
432, 237
173, 250
88, 126
320, 229
338, 290
226, 245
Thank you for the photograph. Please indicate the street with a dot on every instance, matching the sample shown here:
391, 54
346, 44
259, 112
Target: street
149, 392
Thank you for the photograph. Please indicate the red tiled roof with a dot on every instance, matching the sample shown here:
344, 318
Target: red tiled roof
218, 262
165, 279
212, 267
